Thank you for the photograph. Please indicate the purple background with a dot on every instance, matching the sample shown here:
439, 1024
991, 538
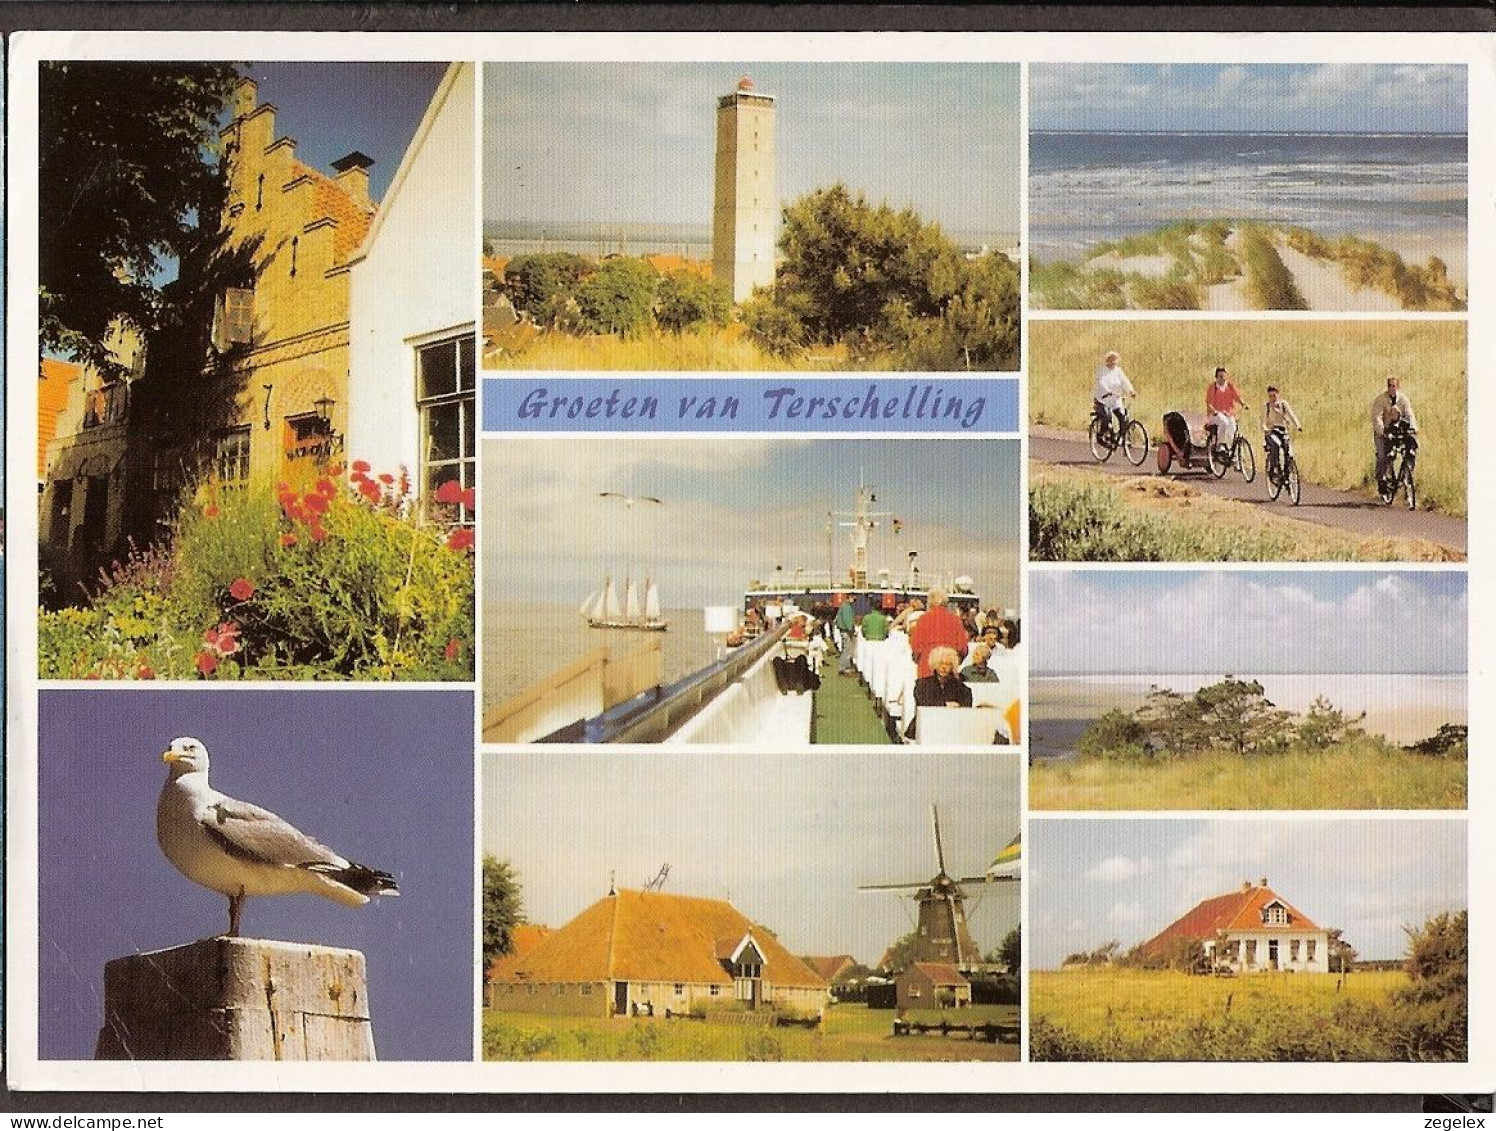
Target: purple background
384, 777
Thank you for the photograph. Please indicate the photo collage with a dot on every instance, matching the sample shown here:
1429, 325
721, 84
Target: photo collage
1054, 472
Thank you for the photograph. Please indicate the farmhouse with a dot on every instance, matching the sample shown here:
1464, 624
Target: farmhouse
932, 985
638, 951
1250, 929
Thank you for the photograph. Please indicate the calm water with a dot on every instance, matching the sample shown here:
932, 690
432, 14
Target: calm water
524, 643
1404, 708
1086, 187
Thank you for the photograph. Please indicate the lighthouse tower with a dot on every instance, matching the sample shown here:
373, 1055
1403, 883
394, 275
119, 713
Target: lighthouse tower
745, 215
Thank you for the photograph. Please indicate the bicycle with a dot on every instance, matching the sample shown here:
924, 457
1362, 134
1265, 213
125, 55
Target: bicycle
1402, 458
1282, 469
1238, 455
1107, 434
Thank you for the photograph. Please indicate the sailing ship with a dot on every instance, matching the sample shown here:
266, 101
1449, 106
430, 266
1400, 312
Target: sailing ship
602, 609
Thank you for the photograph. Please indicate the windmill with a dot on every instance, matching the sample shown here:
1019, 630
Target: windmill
942, 934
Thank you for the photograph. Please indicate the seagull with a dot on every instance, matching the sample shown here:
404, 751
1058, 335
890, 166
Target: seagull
239, 850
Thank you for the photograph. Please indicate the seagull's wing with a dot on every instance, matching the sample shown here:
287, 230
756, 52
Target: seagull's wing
250, 833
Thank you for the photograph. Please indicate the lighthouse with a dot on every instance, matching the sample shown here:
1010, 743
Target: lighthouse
745, 215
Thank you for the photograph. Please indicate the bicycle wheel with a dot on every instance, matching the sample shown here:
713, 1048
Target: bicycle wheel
1410, 492
1135, 442
1245, 461
1216, 461
1101, 445
1277, 478
1291, 478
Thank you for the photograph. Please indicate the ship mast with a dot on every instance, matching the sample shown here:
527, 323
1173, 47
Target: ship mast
863, 523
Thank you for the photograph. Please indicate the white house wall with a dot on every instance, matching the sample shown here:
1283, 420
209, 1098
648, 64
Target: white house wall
1320, 964
415, 279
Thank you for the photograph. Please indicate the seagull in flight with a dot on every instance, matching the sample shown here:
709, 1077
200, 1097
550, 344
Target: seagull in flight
239, 849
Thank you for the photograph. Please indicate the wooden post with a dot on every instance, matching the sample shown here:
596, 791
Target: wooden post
237, 999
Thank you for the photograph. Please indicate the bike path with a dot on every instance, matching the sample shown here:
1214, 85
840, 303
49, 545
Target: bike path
1347, 510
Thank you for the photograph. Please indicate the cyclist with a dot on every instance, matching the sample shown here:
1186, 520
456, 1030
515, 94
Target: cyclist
1112, 386
1221, 402
1391, 406
1277, 415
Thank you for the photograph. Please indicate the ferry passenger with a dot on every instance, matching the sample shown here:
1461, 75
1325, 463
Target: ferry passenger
942, 687
875, 624
848, 617
978, 671
939, 626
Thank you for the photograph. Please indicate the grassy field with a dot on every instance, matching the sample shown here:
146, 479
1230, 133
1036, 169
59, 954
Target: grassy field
1115, 1013
1077, 515
706, 350
849, 1033
1330, 372
1356, 774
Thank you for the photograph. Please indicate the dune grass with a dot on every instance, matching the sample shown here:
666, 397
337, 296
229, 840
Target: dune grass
1329, 371
1359, 773
1088, 516
704, 350
850, 1032
1270, 284
1119, 1014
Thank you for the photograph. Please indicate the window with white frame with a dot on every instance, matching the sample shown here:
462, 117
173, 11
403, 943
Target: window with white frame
231, 457
447, 398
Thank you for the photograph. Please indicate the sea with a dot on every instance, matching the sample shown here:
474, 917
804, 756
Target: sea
1403, 708
522, 644
1086, 187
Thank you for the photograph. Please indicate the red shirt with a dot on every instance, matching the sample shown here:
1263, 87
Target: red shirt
1219, 399
939, 626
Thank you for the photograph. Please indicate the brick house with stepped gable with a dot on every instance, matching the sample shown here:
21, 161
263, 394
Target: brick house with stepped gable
1249, 930
636, 951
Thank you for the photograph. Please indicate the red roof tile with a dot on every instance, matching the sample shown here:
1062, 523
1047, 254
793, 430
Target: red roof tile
655, 937
522, 940
1234, 911
939, 973
332, 200
828, 966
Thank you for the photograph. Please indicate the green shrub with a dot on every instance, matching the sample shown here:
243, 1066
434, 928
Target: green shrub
1451, 740
541, 284
689, 301
619, 297
1116, 734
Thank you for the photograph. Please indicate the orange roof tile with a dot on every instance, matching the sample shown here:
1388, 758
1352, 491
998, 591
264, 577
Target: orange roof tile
939, 973
57, 377
828, 966
332, 200
655, 937
522, 940
1235, 911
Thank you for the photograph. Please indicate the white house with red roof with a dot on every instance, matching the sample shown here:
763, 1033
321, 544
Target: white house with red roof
1247, 930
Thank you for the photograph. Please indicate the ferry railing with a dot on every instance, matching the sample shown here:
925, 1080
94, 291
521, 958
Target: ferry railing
659, 712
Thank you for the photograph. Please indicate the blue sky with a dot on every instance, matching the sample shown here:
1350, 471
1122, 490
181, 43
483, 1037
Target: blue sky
736, 508
1276, 621
332, 109
636, 141
1327, 97
1094, 881
787, 838
382, 776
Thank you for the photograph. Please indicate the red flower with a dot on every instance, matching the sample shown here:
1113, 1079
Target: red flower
318, 534
335, 470
386, 478
283, 488
317, 504
361, 466
207, 663
470, 498
460, 539
369, 490
449, 492
242, 589
452, 650
224, 640
325, 488
145, 672
288, 540
211, 510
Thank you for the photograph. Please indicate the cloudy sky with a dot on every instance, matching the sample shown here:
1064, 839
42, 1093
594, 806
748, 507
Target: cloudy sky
1094, 881
636, 141
787, 838
1277, 621
334, 108
735, 508
1329, 98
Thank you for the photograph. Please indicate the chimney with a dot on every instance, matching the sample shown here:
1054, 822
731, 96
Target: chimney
1262, 883
246, 97
1246, 885
353, 176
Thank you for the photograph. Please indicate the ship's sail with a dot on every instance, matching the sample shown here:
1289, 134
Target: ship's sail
610, 601
651, 600
631, 602
590, 605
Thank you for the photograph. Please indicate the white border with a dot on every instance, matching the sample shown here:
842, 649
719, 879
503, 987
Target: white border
1473, 50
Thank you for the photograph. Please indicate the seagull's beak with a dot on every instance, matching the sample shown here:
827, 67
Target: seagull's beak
171, 756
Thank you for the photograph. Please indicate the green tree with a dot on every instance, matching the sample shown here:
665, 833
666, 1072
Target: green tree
503, 908
619, 297
1009, 952
1232, 715
1342, 955
1116, 734
689, 301
541, 284
1432, 1015
1325, 725
899, 956
125, 160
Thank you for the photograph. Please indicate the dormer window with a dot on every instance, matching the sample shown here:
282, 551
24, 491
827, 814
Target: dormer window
1275, 915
